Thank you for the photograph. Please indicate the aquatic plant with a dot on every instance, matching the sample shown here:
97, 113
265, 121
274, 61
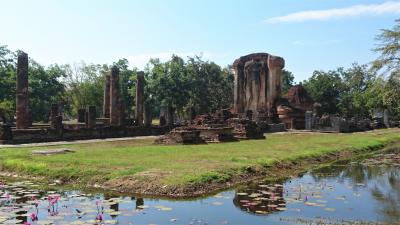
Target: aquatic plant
99, 217
33, 216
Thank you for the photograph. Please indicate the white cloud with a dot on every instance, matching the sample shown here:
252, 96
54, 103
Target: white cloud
355, 10
141, 60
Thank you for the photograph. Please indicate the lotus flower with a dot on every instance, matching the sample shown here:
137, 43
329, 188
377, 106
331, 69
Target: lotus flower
99, 217
33, 216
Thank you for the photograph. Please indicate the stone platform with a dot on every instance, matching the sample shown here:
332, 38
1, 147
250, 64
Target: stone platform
37, 134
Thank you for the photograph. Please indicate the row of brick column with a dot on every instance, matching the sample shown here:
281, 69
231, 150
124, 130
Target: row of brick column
112, 104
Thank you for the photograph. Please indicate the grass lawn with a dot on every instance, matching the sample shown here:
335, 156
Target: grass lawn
183, 164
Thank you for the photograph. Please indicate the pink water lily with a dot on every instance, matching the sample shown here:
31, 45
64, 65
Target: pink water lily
53, 199
99, 217
33, 216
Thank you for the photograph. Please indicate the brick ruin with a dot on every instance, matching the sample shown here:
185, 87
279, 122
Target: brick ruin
257, 90
257, 85
22, 111
140, 98
222, 126
259, 107
88, 126
292, 108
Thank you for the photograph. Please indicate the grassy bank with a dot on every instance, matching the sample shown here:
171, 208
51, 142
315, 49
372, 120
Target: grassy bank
140, 166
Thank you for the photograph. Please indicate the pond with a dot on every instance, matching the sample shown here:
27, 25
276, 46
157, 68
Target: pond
349, 193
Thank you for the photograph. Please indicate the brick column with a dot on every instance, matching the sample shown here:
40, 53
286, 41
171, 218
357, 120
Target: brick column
23, 120
81, 115
115, 107
91, 117
139, 98
106, 100
147, 115
54, 116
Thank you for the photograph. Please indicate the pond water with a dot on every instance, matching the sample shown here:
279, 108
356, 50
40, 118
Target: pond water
337, 194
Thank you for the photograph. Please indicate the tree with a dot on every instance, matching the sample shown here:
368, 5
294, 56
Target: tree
210, 86
325, 88
127, 84
389, 48
7, 80
356, 80
391, 95
389, 62
188, 86
287, 81
169, 83
45, 88
85, 86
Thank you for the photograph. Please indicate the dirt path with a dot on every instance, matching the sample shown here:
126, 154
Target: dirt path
76, 142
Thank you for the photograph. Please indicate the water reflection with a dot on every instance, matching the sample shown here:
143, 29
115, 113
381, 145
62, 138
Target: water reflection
260, 198
341, 194
383, 183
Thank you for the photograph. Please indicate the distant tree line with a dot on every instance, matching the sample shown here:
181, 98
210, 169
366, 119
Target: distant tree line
361, 90
197, 86
191, 85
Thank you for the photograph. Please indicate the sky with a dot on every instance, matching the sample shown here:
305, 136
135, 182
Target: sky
309, 34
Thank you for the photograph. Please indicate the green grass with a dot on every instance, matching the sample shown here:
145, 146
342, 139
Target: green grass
184, 164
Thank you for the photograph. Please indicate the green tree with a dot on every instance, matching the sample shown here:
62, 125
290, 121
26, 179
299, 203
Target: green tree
169, 83
389, 61
325, 88
127, 84
45, 85
7, 80
85, 86
391, 95
45, 88
210, 86
287, 81
389, 48
356, 80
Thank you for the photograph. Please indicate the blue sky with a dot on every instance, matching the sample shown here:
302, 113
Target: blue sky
309, 34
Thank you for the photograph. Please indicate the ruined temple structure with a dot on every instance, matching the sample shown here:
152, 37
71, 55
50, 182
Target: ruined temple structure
292, 108
257, 90
222, 126
88, 126
257, 84
258, 94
